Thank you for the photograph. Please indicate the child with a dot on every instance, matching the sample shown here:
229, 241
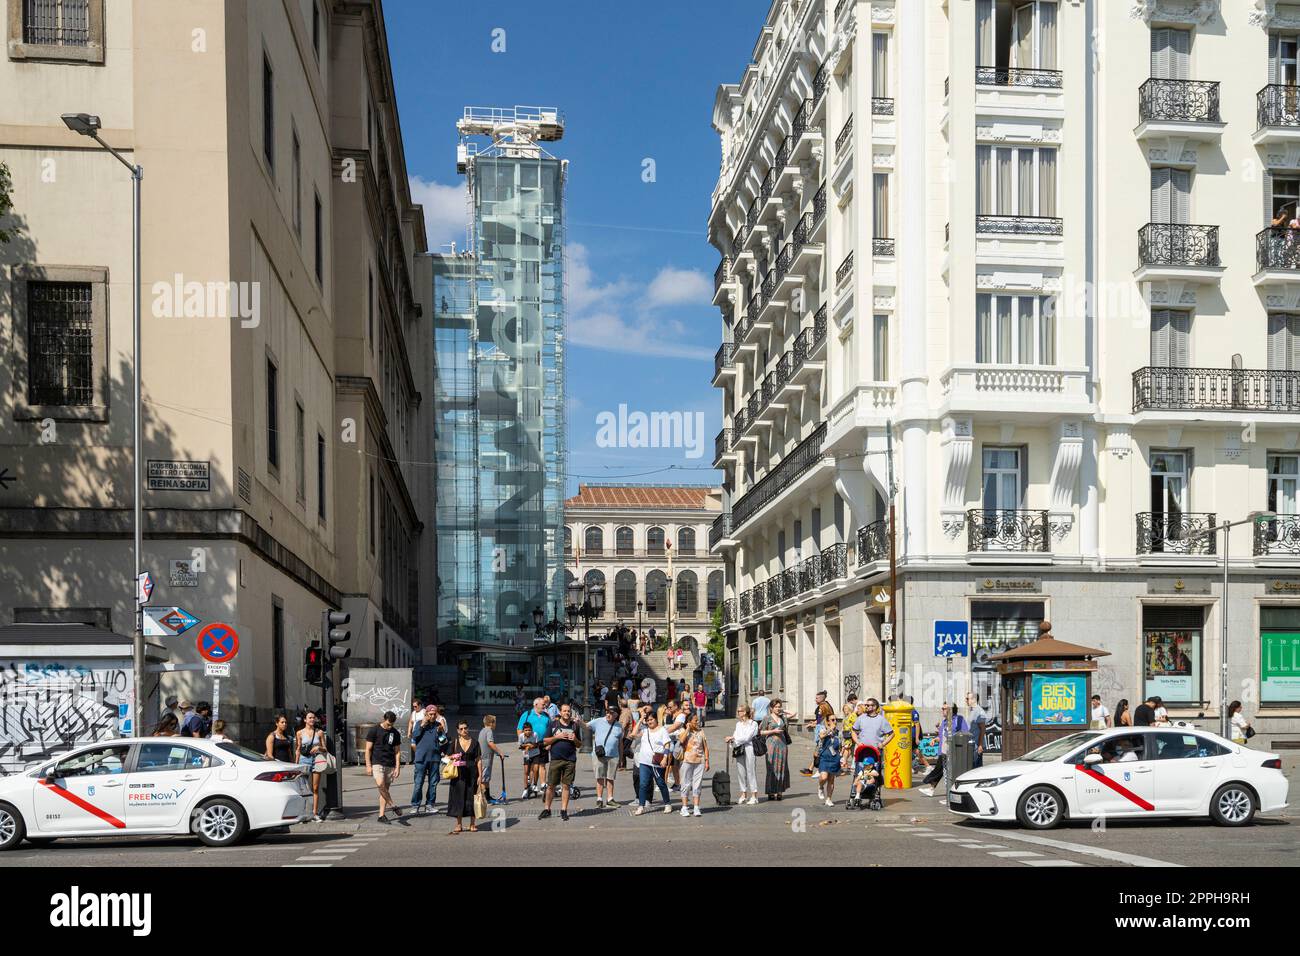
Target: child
532, 749
828, 757
866, 783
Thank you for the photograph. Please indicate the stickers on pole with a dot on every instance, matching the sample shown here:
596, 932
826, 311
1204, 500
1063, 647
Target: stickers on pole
218, 643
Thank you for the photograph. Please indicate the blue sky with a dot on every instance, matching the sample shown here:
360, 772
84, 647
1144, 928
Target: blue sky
635, 81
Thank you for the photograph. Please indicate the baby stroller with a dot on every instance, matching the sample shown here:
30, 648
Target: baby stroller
866, 779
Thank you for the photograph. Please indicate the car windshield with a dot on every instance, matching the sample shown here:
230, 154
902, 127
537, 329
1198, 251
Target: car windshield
1059, 748
244, 752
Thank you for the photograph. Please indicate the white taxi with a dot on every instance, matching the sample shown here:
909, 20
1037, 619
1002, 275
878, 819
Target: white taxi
1128, 772
220, 792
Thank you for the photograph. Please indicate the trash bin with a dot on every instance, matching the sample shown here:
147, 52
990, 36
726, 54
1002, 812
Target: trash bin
961, 755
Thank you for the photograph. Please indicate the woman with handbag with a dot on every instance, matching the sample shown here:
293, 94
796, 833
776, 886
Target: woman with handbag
776, 733
309, 743
466, 761
651, 743
1241, 729
742, 741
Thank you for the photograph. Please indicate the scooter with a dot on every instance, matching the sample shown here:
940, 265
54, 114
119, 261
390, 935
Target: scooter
497, 801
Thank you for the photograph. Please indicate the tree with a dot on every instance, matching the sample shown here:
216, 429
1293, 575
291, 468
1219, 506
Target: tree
717, 642
6, 200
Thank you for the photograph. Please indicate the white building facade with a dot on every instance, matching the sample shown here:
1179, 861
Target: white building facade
1022, 258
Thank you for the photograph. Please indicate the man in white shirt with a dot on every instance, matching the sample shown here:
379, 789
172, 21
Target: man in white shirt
1099, 718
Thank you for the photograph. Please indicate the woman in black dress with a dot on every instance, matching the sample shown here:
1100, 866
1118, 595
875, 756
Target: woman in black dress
465, 755
279, 742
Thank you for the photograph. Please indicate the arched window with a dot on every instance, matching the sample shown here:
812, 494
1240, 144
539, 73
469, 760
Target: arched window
625, 593
592, 578
715, 590
654, 541
594, 541
623, 541
685, 540
656, 592
688, 593
568, 540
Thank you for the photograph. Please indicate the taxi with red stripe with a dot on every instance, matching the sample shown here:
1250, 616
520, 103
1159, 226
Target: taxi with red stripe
1130, 772
218, 791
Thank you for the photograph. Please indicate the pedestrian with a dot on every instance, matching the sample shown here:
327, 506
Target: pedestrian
279, 744
951, 722
673, 720
184, 711
627, 723
822, 708
489, 751
741, 742
1144, 715
430, 744
871, 727
521, 700
1099, 717
977, 719
758, 707
551, 708
468, 761
1241, 729
537, 721
701, 704
672, 691
648, 691
1161, 716
199, 723
307, 743
776, 733
167, 727
171, 708
694, 764
1122, 716
383, 762
219, 733
416, 715
828, 747
562, 743
851, 711
651, 745
606, 754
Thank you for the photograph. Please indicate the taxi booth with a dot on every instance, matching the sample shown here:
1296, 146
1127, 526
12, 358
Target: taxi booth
1046, 687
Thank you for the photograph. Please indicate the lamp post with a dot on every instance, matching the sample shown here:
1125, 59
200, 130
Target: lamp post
1255, 517
639, 606
585, 604
87, 124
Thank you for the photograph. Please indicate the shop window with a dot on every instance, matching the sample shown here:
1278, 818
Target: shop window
1279, 655
998, 626
1171, 653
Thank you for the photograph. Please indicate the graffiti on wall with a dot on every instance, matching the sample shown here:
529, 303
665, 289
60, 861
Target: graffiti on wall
48, 707
369, 692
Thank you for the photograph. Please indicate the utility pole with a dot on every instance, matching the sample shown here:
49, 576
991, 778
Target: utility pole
891, 612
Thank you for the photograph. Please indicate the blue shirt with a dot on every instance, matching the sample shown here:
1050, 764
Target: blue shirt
600, 728
553, 711
760, 705
540, 723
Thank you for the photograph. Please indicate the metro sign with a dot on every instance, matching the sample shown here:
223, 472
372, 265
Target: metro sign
167, 621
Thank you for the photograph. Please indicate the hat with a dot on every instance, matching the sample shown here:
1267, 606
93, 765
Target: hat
171, 700
430, 709
184, 704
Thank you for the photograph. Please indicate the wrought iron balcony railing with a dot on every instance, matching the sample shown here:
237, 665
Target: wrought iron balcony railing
799, 350
1178, 244
819, 81
1277, 247
819, 205
784, 260
802, 230
882, 105
1163, 388
804, 456
995, 76
1007, 530
754, 404
845, 269
770, 387
845, 132
721, 528
1277, 105
1182, 101
1020, 225
728, 611
784, 368
769, 285
1279, 535
1180, 533
882, 247
722, 444
801, 121
751, 216
835, 562
758, 597
839, 8
738, 240
810, 573
765, 190
739, 423
724, 357
873, 542
746, 603
819, 327
775, 593
782, 155
721, 274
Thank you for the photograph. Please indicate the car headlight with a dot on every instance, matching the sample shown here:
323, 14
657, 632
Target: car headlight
995, 782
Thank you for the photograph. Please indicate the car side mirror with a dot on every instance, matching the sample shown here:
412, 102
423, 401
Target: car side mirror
1092, 759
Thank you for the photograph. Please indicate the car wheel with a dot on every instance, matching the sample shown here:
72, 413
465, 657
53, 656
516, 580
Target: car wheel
1040, 808
12, 829
1233, 805
220, 822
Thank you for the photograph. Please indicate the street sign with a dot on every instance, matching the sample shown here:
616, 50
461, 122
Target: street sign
216, 670
951, 638
167, 621
182, 575
887, 631
218, 643
143, 588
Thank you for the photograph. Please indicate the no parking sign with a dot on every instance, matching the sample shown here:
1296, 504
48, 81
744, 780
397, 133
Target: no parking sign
218, 643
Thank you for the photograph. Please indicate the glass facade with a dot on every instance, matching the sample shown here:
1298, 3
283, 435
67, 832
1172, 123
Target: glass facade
499, 446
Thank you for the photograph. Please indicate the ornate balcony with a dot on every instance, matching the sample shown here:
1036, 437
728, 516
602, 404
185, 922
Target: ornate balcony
1277, 111
810, 573
722, 443
1277, 249
845, 132
1039, 79
839, 9
819, 330
751, 216
724, 360
783, 261
765, 190
1176, 248
845, 270
820, 79
790, 584
1158, 388
721, 274
774, 591
802, 121
1175, 533
835, 563
1007, 530
758, 597
746, 603
740, 422
720, 530
754, 404
738, 240
1280, 535
728, 611
804, 456
873, 542
882, 247
1166, 106
1019, 225
882, 106
782, 156
819, 206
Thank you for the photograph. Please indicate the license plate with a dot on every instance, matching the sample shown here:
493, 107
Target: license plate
954, 799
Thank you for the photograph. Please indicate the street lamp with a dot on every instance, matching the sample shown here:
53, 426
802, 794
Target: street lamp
87, 124
639, 605
585, 604
1255, 517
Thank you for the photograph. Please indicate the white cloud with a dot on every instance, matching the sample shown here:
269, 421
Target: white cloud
580, 290
608, 332
445, 213
679, 287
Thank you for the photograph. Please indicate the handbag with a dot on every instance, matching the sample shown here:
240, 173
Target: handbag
448, 771
760, 744
1250, 731
480, 806
600, 749
325, 763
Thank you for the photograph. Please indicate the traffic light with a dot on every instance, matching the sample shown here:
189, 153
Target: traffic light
311, 664
335, 634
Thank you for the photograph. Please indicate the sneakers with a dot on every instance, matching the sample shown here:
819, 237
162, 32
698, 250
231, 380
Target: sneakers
600, 803
668, 809
417, 809
696, 812
564, 814
830, 803
431, 809
928, 791
612, 804
385, 821
545, 814
639, 811
821, 793
315, 818
685, 812
753, 800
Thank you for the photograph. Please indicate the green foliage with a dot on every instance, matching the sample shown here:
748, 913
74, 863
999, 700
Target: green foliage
717, 644
6, 201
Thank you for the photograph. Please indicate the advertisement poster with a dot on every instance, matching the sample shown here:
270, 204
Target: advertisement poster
1059, 700
1279, 658
1173, 665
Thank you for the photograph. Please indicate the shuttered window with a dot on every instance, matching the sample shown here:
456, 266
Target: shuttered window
1284, 341
1171, 332
1171, 53
1171, 195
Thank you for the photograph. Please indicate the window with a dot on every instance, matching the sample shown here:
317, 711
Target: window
753, 665
685, 540
1169, 475
320, 476
998, 626
568, 540
1171, 333
1171, 745
1171, 53
654, 541
593, 579
93, 763
624, 593
320, 242
1015, 329
767, 663
153, 758
688, 593
1283, 472
1003, 480
880, 206
268, 114
1282, 59
277, 653
880, 348
594, 540
272, 416
67, 30
623, 541
1012, 35
1015, 181
1171, 638
372, 518
300, 447
1171, 195
714, 590
60, 343
1284, 341
880, 65
1279, 653
296, 183
656, 583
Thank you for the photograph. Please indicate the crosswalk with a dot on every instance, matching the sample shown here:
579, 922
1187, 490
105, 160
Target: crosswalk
998, 850
337, 851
